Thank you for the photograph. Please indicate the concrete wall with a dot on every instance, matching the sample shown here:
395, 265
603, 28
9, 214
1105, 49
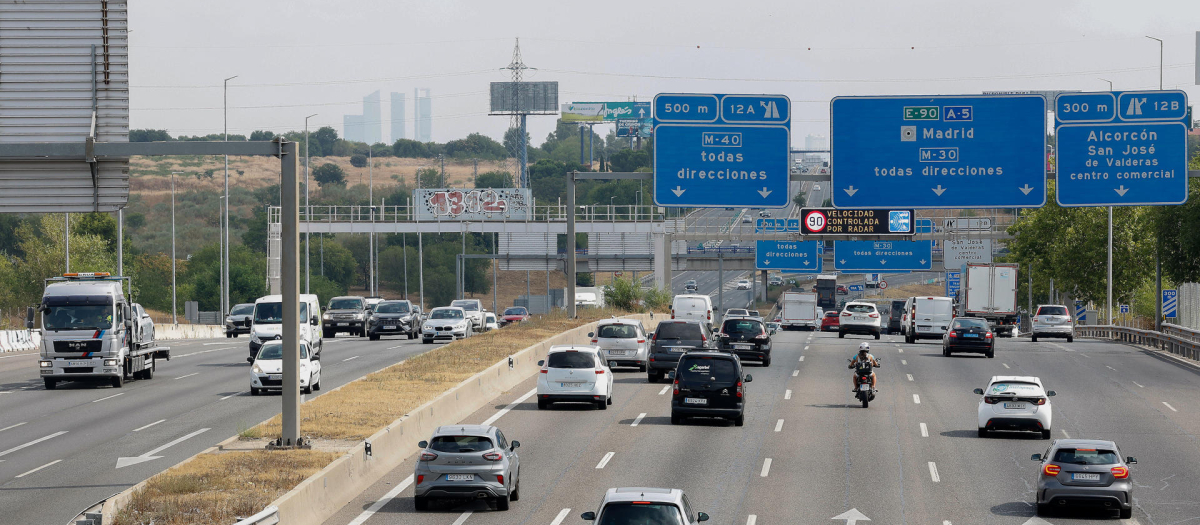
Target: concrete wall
18, 340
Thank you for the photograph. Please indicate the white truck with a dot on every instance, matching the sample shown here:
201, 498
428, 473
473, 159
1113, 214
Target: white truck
798, 310
990, 291
92, 332
589, 297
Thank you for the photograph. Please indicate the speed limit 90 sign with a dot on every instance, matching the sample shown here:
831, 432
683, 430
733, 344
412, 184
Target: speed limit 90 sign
815, 221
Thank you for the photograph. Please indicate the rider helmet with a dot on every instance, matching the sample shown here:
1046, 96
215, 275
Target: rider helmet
864, 348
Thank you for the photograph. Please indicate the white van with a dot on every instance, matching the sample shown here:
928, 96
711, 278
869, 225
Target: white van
267, 322
928, 318
696, 307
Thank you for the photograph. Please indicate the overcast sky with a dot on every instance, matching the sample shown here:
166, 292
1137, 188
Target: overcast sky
307, 56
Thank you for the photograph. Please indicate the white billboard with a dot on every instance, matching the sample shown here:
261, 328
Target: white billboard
480, 204
958, 252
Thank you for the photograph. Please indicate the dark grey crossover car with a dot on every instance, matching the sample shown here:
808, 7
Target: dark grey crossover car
1085, 472
467, 462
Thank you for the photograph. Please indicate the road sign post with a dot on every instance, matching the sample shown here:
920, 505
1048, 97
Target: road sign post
882, 256
789, 256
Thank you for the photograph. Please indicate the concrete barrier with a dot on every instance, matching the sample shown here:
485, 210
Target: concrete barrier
171, 332
19, 340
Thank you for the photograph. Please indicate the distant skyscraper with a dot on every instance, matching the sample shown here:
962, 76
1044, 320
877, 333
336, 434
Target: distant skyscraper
816, 142
423, 109
372, 119
398, 122
352, 128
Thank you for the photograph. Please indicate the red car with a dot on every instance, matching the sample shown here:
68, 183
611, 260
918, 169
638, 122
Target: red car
513, 315
830, 322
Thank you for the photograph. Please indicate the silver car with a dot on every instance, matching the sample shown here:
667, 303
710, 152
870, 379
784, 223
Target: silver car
622, 342
1084, 472
1053, 320
645, 505
467, 462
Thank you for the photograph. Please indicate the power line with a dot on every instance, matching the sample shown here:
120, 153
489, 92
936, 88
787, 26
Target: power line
318, 82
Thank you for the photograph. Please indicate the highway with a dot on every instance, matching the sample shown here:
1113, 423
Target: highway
59, 449
809, 452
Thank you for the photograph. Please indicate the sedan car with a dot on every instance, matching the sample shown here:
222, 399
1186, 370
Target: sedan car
266, 374
1015, 403
393, 318
467, 462
746, 337
745, 219
1053, 320
622, 342
743, 284
1085, 472
514, 315
709, 384
969, 334
830, 322
859, 318
238, 320
645, 505
446, 323
574, 374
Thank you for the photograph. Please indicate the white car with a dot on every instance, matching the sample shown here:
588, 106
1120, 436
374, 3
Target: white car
474, 310
267, 372
622, 342
446, 323
1053, 320
1015, 403
574, 374
489, 322
744, 284
859, 318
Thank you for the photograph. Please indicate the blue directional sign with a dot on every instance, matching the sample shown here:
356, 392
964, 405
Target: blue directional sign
1080, 311
965, 151
777, 225
1124, 308
1121, 148
854, 288
882, 256
1170, 303
790, 256
714, 150
953, 283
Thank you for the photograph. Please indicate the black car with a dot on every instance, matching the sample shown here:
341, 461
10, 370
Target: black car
897, 314
748, 338
671, 340
394, 318
709, 384
969, 334
345, 314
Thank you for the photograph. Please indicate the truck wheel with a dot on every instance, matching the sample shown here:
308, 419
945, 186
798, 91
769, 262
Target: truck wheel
1034, 338
51, 384
876, 336
328, 334
253, 391
119, 381
148, 373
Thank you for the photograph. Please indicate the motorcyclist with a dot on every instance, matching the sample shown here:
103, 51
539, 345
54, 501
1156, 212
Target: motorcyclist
864, 356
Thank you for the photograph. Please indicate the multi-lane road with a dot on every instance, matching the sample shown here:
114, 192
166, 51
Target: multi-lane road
59, 449
808, 452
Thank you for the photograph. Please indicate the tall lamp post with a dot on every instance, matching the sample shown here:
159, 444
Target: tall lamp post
174, 320
225, 236
307, 212
1158, 318
1109, 83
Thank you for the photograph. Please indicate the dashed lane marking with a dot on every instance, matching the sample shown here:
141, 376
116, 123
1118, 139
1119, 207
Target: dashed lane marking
795, 373
1110, 368
801, 359
1170, 407
462, 518
637, 419
604, 461
189, 375
766, 468
751, 519
1006, 365
109, 397
903, 362
806, 347
508, 408
664, 390
924, 431
900, 350
787, 394
366, 514
148, 426
562, 515
39, 468
779, 425
1065, 434
916, 399
13, 426
32, 443
350, 358
909, 377
933, 473
1138, 384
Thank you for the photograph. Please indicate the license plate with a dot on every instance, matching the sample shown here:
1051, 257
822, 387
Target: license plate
971, 335
678, 349
618, 352
445, 333
343, 324
743, 347
864, 387
460, 477
695, 401
1079, 476
924, 328
1014, 406
79, 363
389, 327
570, 385
859, 318
275, 377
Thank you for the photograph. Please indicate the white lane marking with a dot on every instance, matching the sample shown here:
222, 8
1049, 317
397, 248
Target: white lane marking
402, 346
916, 399
366, 514
39, 468
924, 431
664, 390
109, 397
1170, 407
1065, 434
903, 362
900, 350
604, 461
13, 426
766, 468
31, 443
203, 352
189, 375
946, 522
562, 515
1006, 365
933, 473
806, 347
801, 359
1110, 368
510, 406
751, 519
637, 419
779, 425
909, 377
6, 392
795, 373
1138, 384
787, 394
211, 344
462, 518
228, 396
350, 358
1085, 355
148, 426
123, 462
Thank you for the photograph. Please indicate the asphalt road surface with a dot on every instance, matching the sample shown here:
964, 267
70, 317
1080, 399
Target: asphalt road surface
809, 452
59, 448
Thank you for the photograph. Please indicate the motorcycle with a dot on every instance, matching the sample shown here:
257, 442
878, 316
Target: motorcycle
862, 380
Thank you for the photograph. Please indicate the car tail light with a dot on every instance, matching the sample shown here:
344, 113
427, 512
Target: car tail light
1051, 470
951, 334
420, 478
988, 335
544, 371
703, 339
594, 340
708, 315
641, 502
640, 341
676, 390
873, 316
428, 456
599, 370
991, 400
1120, 472
672, 313
739, 389
500, 478
1041, 401
845, 314
492, 456
655, 336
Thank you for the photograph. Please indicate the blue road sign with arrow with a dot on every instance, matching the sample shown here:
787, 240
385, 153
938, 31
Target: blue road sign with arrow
882, 256
1170, 303
714, 150
790, 256
968, 151
777, 225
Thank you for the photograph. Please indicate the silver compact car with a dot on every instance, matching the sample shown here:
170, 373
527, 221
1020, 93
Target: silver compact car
1084, 472
467, 462
1053, 320
622, 342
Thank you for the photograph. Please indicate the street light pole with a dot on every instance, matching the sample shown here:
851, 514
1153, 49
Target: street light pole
1160, 60
225, 237
1109, 83
174, 320
307, 212
1158, 318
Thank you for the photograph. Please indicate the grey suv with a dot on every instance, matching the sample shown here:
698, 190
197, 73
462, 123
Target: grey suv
1086, 472
673, 338
467, 462
645, 505
394, 317
345, 314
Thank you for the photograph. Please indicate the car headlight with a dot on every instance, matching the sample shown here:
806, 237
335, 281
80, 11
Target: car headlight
46, 364
228, 319
256, 369
358, 316
326, 317
110, 362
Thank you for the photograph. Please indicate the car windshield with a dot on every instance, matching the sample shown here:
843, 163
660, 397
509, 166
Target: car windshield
460, 444
1086, 456
737, 312
1052, 310
392, 308
446, 314
617, 331
620, 513
78, 317
514, 311
470, 306
831, 313
707, 369
1014, 388
348, 303
742, 327
271, 351
242, 309
970, 323
753, 313
860, 308
570, 359
268, 313
678, 331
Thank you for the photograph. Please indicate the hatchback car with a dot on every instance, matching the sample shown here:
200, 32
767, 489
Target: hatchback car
746, 337
1015, 403
743, 284
622, 506
745, 219
467, 462
266, 374
859, 318
393, 318
671, 340
969, 334
1085, 472
574, 374
842, 290
622, 342
1053, 320
513, 315
690, 286
830, 322
446, 323
709, 384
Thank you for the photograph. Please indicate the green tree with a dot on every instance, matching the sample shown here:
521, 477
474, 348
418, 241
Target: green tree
102, 225
326, 137
476, 145
512, 141
329, 174
801, 199
340, 265
325, 289
1177, 230
429, 178
358, 160
494, 179
629, 160
263, 135
410, 149
247, 276
149, 135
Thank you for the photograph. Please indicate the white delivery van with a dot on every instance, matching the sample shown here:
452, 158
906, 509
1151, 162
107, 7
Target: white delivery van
928, 318
798, 310
696, 307
267, 322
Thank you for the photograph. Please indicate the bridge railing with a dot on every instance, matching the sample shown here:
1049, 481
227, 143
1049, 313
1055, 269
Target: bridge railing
1183, 345
406, 213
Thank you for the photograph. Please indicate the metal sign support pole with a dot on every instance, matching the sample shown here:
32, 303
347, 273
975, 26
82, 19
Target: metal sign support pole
121, 242
290, 288
570, 252
1108, 300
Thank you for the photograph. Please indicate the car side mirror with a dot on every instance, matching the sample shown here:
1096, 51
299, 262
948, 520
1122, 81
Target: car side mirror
1131, 460
370, 310
323, 308
515, 445
1051, 393
591, 334
423, 444
702, 517
978, 391
542, 363
589, 516
749, 378
29, 318
315, 357
670, 375
126, 314
315, 320
1036, 457
249, 359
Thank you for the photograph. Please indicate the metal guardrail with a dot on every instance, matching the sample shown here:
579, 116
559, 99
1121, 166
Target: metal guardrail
1183, 346
269, 516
